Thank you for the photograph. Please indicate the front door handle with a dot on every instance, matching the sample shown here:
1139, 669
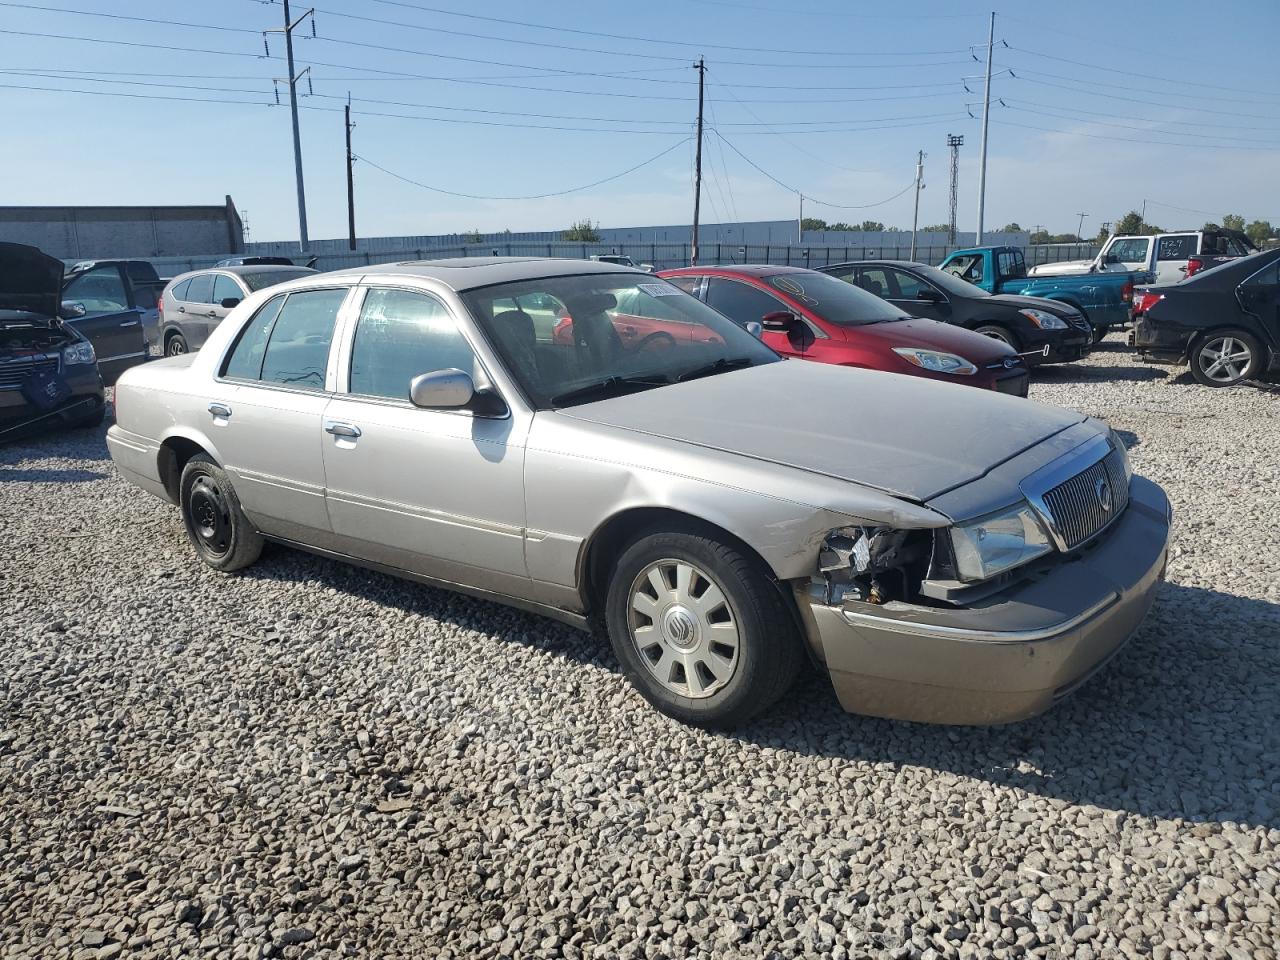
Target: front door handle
220, 411
182, 309
212, 313
348, 431
130, 323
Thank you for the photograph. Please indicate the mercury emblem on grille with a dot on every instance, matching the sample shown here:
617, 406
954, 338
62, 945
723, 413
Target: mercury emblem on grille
1102, 490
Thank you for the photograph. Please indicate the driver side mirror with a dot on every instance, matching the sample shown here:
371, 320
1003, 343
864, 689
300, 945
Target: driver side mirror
780, 321
453, 389
929, 294
229, 302
71, 309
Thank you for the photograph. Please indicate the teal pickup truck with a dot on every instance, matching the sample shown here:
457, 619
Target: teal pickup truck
1103, 298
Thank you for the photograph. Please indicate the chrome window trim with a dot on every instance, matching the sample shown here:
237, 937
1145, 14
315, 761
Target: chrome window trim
1073, 462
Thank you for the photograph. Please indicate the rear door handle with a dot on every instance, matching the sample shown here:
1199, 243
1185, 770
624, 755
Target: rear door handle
182, 309
130, 323
220, 410
347, 430
212, 313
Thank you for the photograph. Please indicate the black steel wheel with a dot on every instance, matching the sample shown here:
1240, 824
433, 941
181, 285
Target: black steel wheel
216, 526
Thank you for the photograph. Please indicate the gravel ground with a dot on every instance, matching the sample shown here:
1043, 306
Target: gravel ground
311, 760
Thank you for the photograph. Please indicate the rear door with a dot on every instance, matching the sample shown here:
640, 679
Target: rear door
113, 326
1172, 253
1260, 296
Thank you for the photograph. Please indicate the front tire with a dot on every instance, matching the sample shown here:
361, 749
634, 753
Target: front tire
700, 628
216, 526
1225, 358
997, 332
1100, 333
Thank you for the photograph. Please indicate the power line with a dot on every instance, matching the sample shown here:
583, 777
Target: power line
137, 96
1012, 105
1117, 116
821, 203
670, 42
538, 196
134, 19
1148, 101
1147, 141
1089, 84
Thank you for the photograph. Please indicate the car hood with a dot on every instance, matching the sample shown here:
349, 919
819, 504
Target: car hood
30, 281
908, 436
918, 332
1034, 303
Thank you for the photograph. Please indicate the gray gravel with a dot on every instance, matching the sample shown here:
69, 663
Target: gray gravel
311, 760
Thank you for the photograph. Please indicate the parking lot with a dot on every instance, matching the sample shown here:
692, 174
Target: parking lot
313, 760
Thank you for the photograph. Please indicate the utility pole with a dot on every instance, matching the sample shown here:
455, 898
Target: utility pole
289, 26
955, 142
915, 217
351, 184
1081, 226
701, 67
800, 221
1143, 216
986, 117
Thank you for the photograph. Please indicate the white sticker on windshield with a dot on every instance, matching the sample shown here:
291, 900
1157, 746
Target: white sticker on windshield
659, 289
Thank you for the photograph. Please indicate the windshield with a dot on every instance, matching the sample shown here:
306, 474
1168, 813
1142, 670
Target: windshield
574, 339
949, 282
269, 278
834, 300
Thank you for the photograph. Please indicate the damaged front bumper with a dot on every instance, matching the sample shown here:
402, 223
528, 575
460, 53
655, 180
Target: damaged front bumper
1010, 656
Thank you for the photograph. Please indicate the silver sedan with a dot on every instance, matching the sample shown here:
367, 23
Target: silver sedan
588, 442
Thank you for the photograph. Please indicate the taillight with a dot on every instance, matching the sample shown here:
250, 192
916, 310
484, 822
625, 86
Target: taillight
1194, 264
160, 305
1126, 292
1146, 300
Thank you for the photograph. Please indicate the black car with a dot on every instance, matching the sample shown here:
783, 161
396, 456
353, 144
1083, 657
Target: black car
1028, 324
48, 369
1224, 322
248, 261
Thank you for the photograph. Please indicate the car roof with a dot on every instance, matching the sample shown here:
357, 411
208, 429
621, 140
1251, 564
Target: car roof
468, 273
741, 269
241, 268
907, 264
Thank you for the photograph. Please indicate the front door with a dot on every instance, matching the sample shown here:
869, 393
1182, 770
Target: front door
198, 314
743, 303
265, 413
915, 296
436, 492
111, 325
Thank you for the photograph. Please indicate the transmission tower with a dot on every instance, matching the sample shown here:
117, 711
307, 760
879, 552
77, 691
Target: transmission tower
955, 142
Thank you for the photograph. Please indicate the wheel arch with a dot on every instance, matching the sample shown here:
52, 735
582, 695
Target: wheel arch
176, 449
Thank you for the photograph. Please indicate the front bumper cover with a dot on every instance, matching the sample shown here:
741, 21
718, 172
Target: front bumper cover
1011, 656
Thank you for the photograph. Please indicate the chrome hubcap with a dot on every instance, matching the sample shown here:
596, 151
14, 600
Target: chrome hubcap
1224, 359
684, 628
176, 347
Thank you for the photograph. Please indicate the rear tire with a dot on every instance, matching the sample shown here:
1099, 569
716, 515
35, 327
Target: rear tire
1225, 358
997, 332
175, 345
216, 526
700, 628
1100, 333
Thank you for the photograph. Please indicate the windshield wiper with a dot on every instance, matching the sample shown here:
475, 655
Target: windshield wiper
716, 366
608, 387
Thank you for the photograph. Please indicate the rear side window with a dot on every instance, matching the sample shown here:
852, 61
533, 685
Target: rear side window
245, 362
1176, 248
401, 335
180, 291
298, 345
201, 289
687, 284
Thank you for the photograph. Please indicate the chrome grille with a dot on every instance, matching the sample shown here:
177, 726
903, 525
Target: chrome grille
1078, 511
13, 372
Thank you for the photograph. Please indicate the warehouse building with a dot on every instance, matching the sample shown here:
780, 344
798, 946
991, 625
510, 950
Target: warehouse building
75, 233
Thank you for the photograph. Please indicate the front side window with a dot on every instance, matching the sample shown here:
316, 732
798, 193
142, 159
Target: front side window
909, 286
101, 290
1131, 250
567, 340
741, 302
224, 288
401, 334
834, 300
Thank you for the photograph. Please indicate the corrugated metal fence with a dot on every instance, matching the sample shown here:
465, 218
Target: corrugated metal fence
661, 256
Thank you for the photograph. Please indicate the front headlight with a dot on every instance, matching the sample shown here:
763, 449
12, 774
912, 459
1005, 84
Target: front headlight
998, 542
1045, 321
79, 352
937, 361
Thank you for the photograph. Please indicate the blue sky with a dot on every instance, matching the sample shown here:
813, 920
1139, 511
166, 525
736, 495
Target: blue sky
1107, 105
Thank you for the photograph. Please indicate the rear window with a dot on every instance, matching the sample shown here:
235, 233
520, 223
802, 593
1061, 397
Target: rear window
269, 278
834, 300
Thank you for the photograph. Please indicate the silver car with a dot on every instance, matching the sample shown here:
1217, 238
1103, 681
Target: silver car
194, 303
723, 515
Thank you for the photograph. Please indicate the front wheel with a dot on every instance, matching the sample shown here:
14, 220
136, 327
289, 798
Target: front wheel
1100, 333
996, 332
1226, 357
216, 526
701, 629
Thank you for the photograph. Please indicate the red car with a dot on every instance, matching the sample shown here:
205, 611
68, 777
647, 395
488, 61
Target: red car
641, 324
814, 316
